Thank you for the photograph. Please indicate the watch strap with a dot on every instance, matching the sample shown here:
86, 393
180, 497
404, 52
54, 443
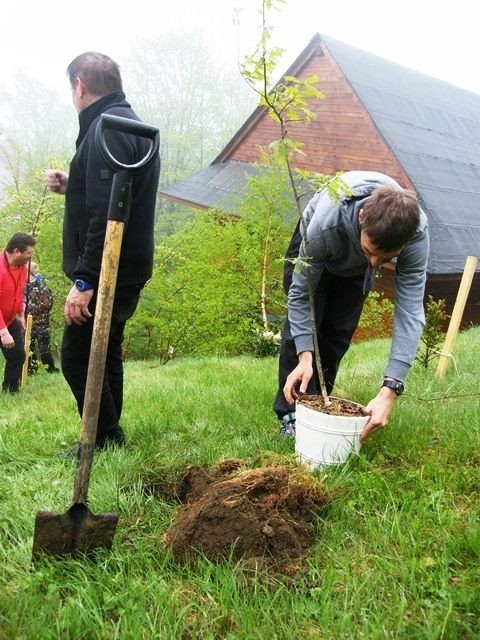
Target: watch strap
82, 285
395, 385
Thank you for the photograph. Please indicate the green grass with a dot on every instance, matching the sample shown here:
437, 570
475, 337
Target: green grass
397, 552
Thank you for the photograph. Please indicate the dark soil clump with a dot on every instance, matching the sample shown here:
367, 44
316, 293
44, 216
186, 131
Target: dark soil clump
251, 513
337, 406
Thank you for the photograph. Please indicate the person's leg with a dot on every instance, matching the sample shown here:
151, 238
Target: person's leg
287, 360
341, 309
126, 300
75, 357
14, 359
43, 339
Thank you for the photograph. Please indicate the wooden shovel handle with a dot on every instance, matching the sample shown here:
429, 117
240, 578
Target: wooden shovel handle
117, 216
98, 356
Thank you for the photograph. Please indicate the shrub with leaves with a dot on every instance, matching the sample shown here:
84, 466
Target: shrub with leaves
433, 333
376, 320
218, 280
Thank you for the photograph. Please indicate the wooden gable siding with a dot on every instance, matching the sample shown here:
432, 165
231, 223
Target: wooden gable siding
342, 137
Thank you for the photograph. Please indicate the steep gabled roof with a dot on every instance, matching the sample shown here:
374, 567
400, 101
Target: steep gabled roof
432, 129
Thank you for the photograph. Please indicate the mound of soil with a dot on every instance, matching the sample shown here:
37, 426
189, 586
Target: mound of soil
266, 512
337, 406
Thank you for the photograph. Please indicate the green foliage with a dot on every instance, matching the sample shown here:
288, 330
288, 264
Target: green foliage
218, 279
32, 209
288, 100
266, 343
376, 320
433, 333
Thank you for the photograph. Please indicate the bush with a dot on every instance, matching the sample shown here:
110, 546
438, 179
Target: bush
217, 282
433, 333
376, 320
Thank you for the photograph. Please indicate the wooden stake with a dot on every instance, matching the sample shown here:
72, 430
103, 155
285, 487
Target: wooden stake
28, 339
458, 309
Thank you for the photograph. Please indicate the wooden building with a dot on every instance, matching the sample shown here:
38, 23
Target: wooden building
378, 116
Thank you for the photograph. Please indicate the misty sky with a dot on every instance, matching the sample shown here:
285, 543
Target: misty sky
433, 36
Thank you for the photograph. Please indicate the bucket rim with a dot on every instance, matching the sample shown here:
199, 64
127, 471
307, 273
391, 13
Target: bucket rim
315, 411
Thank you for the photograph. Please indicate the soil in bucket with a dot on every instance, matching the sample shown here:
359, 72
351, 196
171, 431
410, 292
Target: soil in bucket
264, 514
327, 434
337, 406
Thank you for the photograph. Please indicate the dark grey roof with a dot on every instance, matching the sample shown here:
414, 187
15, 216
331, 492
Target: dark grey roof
433, 128
217, 186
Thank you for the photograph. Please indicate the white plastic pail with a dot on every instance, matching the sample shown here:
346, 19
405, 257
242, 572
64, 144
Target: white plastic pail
322, 439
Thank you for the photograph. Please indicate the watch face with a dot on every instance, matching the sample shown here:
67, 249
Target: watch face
81, 285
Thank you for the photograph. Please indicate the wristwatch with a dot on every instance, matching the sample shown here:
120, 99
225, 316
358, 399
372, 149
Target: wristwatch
81, 285
396, 385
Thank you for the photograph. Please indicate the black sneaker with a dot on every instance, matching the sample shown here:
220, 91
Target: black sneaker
70, 454
287, 426
113, 438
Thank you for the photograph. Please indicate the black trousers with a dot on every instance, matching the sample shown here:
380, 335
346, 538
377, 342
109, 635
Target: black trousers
75, 355
14, 358
338, 305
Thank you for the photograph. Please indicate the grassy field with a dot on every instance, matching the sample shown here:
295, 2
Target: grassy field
396, 555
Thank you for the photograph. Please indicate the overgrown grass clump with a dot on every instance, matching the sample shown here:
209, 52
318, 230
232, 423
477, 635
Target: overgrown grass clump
396, 553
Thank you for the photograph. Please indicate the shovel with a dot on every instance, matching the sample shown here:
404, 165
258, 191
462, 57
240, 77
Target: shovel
78, 530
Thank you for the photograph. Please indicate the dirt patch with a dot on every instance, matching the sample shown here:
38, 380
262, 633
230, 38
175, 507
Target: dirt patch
337, 406
265, 513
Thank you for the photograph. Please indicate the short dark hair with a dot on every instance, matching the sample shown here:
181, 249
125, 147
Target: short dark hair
100, 74
20, 241
390, 217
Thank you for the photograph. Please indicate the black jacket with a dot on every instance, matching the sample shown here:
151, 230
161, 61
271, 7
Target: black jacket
88, 194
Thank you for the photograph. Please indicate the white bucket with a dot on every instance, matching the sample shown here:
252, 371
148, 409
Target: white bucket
322, 439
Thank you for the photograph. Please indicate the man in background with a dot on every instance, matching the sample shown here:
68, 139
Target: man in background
38, 303
96, 87
13, 276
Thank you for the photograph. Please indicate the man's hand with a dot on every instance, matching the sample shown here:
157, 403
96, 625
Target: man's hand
56, 181
302, 373
7, 341
76, 306
379, 410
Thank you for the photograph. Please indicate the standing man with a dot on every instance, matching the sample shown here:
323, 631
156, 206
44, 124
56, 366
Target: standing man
348, 241
13, 276
96, 86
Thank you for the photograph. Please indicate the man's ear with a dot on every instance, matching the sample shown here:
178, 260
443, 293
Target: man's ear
79, 87
360, 216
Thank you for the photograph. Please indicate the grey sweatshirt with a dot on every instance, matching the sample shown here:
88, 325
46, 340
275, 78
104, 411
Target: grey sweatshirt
334, 244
